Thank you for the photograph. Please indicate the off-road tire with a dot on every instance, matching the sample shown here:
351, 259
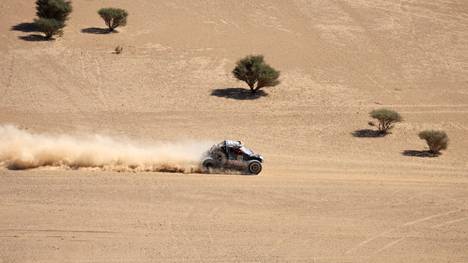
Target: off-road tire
255, 167
208, 166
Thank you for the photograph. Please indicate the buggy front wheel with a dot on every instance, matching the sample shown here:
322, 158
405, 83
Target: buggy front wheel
255, 167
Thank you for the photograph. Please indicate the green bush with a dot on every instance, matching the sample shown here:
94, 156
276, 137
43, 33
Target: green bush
256, 73
113, 17
50, 27
436, 140
387, 119
53, 9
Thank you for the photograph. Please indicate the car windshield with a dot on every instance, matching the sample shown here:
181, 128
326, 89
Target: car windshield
246, 150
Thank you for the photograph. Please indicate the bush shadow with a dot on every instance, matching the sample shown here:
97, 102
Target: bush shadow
96, 30
422, 154
368, 133
25, 27
238, 93
34, 37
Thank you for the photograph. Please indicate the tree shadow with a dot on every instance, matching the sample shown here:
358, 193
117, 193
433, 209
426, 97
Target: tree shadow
34, 37
422, 154
25, 27
97, 30
238, 94
368, 133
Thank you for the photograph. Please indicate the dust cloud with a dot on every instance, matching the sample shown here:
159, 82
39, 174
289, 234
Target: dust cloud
21, 149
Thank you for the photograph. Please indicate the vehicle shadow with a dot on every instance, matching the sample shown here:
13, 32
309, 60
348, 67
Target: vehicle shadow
238, 93
96, 30
422, 154
34, 37
25, 27
367, 133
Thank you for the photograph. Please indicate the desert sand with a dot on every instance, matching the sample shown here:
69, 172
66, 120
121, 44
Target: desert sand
324, 195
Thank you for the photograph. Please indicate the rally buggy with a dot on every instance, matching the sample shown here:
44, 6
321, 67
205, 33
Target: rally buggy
233, 155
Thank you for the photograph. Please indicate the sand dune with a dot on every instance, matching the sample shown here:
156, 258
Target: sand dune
324, 195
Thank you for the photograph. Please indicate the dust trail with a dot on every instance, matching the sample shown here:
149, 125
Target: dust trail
21, 149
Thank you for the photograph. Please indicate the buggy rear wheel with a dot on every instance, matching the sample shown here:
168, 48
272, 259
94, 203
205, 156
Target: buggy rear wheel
208, 167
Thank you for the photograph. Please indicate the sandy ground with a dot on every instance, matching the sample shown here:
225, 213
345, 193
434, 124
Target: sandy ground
324, 195
73, 216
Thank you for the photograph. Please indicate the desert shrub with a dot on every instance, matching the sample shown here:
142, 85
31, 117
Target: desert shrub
118, 50
387, 119
256, 73
113, 17
436, 140
53, 9
49, 26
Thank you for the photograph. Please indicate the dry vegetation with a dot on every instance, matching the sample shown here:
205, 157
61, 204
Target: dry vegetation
436, 140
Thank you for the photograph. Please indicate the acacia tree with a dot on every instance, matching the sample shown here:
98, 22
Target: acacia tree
49, 26
53, 9
113, 17
387, 119
52, 15
256, 73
